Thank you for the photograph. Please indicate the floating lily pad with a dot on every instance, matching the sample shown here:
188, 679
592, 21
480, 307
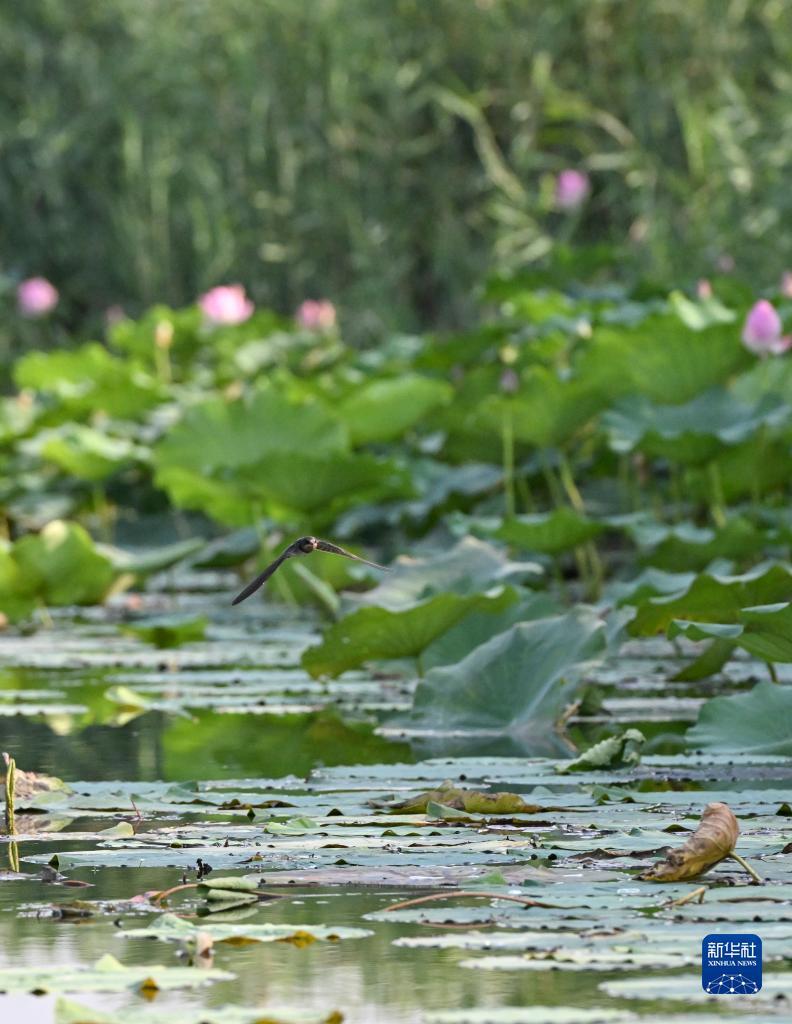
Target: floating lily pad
68, 1012
174, 929
106, 975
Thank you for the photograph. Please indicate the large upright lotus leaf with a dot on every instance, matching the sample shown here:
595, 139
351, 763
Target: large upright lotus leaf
469, 567
378, 633
702, 314
764, 631
383, 410
685, 546
222, 437
758, 722
692, 432
747, 470
322, 485
481, 625
519, 682
88, 379
713, 598
63, 565
663, 359
87, 453
546, 410
145, 561
17, 591
17, 416
138, 337
550, 533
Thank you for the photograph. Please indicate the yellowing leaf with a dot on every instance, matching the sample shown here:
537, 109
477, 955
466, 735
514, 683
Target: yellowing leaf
465, 800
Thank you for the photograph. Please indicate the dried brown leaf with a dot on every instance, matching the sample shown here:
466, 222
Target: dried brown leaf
714, 839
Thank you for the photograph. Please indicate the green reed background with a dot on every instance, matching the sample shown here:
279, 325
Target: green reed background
385, 154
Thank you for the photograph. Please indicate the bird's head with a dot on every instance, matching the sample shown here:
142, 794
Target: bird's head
307, 544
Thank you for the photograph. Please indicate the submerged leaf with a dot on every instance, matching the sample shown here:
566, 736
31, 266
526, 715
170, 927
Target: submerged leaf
714, 839
468, 800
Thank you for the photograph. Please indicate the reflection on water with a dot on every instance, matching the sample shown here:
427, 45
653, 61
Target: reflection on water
369, 980
205, 746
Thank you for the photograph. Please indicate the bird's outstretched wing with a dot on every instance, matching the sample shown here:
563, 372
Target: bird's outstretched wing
334, 549
251, 588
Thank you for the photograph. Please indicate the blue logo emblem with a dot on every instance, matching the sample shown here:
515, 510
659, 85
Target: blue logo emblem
731, 965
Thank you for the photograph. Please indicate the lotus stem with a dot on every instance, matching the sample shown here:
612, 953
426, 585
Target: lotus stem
569, 485
747, 867
10, 781
507, 435
716, 492
695, 894
773, 672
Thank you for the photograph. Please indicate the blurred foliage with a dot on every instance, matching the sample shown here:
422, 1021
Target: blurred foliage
380, 153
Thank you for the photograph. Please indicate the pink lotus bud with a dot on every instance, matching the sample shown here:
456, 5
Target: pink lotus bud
762, 330
316, 315
786, 284
36, 297
571, 189
704, 289
226, 305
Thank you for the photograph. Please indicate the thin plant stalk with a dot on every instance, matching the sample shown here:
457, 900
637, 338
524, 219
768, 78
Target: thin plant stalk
717, 503
10, 781
507, 436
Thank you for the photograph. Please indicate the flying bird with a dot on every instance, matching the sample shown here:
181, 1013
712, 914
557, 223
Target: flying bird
303, 546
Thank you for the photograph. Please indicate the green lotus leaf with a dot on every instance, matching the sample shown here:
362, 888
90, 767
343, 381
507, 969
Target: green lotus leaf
89, 380
383, 410
695, 431
171, 928
764, 631
551, 533
86, 453
518, 682
684, 546
374, 633
219, 438
758, 722
662, 359
468, 568
63, 566
169, 630
713, 598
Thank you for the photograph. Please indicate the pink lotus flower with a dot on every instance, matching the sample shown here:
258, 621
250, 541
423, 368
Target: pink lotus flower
762, 330
704, 290
36, 297
571, 189
226, 305
316, 315
786, 284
